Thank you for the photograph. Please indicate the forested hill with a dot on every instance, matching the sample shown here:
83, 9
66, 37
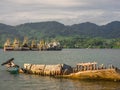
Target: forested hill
81, 35
53, 29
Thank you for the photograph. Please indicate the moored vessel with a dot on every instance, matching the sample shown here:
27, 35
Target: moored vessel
32, 46
8, 46
16, 45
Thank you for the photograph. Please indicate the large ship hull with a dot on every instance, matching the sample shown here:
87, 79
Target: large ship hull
54, 49
8, 49
32, 49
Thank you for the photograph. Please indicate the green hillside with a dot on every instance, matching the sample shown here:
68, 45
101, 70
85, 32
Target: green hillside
78, 35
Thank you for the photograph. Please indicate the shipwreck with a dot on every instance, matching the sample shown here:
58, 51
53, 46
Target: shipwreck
82, 71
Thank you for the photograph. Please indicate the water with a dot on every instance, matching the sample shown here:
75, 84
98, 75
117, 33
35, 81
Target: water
67, 56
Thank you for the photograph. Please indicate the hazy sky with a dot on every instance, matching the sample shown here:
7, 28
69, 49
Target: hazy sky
68, 12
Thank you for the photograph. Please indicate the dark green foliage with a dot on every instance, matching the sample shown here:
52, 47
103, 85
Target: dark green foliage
84, 35
90, 43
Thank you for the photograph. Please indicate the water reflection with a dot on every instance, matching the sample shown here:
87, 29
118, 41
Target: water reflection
36, 82
49, 83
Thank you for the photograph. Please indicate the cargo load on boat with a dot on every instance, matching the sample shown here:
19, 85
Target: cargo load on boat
42, 69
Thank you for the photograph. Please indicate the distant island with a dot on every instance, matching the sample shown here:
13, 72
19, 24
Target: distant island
83, 35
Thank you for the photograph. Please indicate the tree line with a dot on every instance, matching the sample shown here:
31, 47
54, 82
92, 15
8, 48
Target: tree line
90, 43
84, 42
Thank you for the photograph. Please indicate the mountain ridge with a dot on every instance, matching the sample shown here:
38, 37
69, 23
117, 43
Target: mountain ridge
52, 29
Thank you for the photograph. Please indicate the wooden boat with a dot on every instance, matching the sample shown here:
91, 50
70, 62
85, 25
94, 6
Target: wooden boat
82, 71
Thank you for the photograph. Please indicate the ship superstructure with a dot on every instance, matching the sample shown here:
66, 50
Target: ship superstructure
7, 45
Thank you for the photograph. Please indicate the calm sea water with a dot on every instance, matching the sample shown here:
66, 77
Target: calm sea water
67, 56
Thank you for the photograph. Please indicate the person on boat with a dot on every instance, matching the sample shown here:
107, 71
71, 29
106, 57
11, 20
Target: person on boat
12, 66
9, 63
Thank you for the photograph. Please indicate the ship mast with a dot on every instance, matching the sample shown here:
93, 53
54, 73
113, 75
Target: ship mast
16, 43
33, 45
25, 42
7, 43
42, 45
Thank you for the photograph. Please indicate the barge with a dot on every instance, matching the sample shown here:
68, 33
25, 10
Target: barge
32, 46
82, 71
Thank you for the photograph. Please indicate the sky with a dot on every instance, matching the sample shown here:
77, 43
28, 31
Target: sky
68, 12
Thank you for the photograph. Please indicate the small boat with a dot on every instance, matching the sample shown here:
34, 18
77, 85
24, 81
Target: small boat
13, 70
11, 67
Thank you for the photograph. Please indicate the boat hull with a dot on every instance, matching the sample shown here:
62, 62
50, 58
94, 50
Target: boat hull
13, 70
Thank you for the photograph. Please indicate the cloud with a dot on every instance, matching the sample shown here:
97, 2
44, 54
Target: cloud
49, 2
65, 11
